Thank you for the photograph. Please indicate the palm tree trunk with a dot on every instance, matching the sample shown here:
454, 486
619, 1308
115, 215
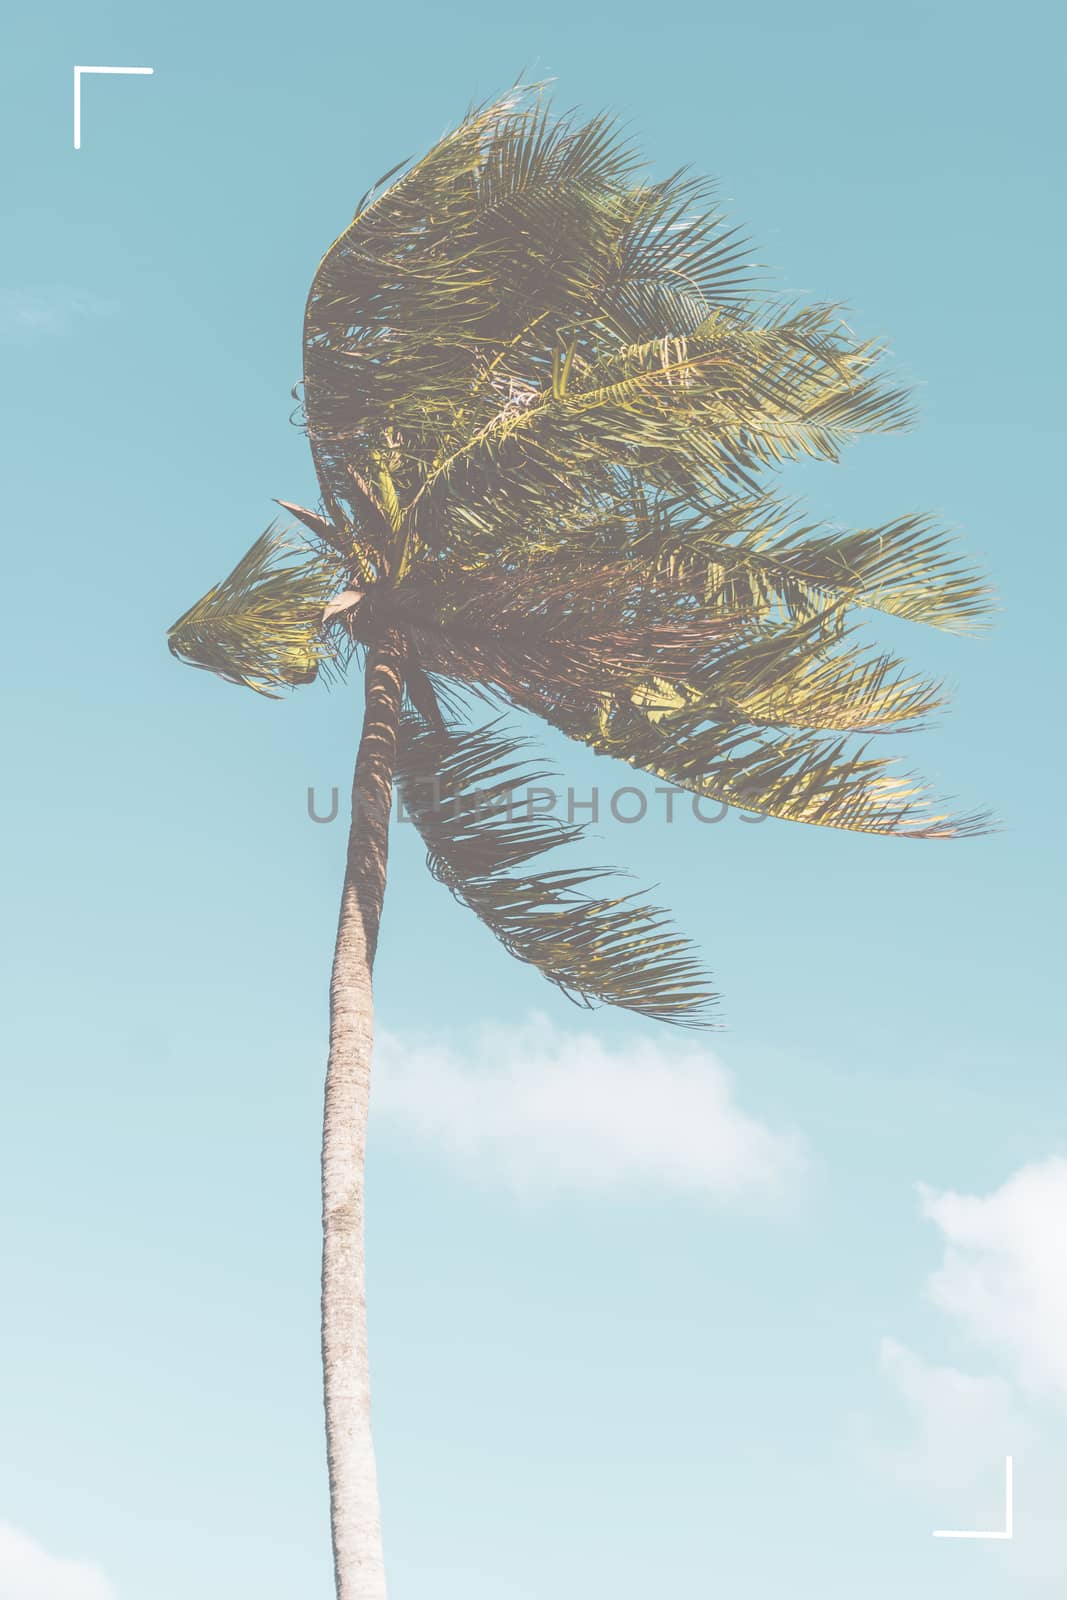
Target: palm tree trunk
354, 1513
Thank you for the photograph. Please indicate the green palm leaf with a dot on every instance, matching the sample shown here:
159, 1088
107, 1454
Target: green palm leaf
797, 777
756, 555
261, 626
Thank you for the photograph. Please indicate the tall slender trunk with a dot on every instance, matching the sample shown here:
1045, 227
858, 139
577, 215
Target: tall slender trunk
354, 1514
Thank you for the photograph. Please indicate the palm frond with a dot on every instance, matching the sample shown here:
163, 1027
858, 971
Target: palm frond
709, 750
721, 403
797, 677
261, 626
779, 683
756, 555
459, 788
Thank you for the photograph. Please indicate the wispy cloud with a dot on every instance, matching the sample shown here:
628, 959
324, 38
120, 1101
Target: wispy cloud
29, 314
540, 1109
28, 1572
962, 1424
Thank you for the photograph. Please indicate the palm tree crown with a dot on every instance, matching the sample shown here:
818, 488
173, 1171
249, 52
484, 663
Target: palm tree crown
544, 396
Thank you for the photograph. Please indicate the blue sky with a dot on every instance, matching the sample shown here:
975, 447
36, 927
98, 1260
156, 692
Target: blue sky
728, 1348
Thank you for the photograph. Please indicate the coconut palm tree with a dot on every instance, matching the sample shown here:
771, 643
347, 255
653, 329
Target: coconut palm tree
544, 396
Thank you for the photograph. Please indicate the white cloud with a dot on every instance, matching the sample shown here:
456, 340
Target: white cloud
1004, 1274
28, 314
542, 1109
28, 1572
1002, 1282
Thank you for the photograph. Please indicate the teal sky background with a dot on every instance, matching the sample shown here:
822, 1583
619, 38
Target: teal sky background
630, 1390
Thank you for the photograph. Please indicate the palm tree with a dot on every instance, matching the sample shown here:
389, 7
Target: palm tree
544, 395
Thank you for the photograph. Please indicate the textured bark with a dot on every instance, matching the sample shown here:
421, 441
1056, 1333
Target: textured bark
354, 1513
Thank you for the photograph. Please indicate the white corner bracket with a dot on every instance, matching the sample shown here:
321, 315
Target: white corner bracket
1009, 1512
122, 72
